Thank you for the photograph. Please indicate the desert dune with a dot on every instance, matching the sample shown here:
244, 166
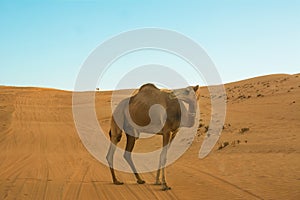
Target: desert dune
256, 157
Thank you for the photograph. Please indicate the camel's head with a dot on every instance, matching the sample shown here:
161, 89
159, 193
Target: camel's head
189, 96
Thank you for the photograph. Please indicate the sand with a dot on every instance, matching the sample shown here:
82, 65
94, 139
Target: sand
42, 157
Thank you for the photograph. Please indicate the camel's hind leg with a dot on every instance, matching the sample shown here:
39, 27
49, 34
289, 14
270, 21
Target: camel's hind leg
127, 155
115, 136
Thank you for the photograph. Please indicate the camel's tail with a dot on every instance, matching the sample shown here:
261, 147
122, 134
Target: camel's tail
109, 133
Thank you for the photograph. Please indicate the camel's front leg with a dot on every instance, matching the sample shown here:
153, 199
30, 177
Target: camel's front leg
163, 161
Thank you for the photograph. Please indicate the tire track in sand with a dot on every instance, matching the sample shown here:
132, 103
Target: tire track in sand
222, 183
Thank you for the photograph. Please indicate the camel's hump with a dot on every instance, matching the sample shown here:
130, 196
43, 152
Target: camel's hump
148, 86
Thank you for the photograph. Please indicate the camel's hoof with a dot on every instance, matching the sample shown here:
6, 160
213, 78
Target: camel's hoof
140, 181
118, 183
165, 187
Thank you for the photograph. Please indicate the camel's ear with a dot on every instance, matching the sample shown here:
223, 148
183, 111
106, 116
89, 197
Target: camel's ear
196, 88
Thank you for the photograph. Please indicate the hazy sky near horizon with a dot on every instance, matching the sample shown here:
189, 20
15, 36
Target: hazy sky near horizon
45, 43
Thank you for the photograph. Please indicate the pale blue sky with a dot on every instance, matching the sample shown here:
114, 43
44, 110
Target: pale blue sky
44, 43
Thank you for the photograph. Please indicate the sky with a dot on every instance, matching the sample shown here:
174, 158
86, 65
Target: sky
46, 43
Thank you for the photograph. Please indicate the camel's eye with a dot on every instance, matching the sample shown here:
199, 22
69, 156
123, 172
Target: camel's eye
186, 92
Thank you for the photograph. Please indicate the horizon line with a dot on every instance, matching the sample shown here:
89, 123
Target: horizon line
108, 90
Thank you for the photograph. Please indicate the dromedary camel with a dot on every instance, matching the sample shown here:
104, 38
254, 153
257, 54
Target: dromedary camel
136, 114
